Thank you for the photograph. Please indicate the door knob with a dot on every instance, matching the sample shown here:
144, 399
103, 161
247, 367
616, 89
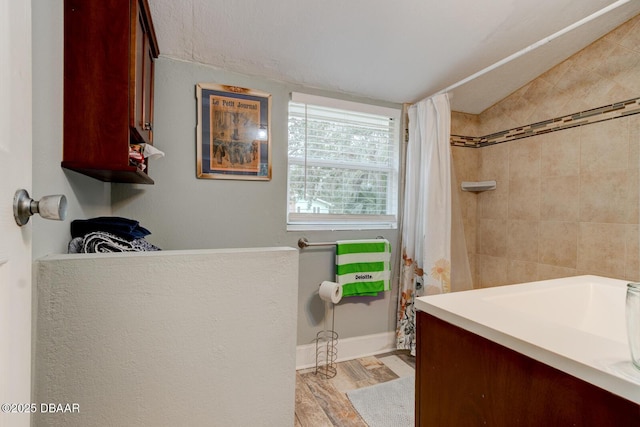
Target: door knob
49, 207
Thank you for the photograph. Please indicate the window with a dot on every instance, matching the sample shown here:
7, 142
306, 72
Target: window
343, 165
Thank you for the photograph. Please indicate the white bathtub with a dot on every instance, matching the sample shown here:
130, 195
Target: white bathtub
575, 324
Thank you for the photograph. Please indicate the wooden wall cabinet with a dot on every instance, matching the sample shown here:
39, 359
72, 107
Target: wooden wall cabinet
109, 52
463, 379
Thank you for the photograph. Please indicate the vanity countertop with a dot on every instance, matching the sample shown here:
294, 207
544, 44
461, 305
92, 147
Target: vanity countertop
575, 324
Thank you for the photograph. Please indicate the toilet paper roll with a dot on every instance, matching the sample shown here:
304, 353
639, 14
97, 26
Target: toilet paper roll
330, 291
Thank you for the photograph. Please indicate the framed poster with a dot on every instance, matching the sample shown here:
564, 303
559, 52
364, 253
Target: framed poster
233, 133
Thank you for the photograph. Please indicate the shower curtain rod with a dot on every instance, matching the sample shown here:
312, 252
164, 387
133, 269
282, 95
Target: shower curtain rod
534, 46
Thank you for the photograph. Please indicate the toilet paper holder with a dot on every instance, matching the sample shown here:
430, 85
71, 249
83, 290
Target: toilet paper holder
327, 339
326, 347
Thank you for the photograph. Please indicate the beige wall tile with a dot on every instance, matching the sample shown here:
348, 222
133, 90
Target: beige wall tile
516, 108
560, 153
577, 81
632, 267
560, 198
524, 159
470, 234
468, 204
492, 237
634, 141
548, 272
593, 54
593, 272
496, 118
634, 197
605, 197
521, 272
597, 75
625, 34
492, 271
604, 146
465, 163
631, 39
555, 105
494, 204
524, 199
621, 92
493, 164
522, 240
601, 248
554, 75
598, 93
629, 80
464, 124
588, 174
474, 269
538, 89
552, 107
618, 59
558, 243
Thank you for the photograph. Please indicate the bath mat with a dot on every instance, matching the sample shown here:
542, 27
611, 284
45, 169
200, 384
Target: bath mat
389, 404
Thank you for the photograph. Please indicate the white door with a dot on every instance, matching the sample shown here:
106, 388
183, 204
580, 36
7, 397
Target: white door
15, 242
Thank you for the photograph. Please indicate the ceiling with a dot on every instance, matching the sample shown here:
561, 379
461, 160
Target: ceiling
394, 51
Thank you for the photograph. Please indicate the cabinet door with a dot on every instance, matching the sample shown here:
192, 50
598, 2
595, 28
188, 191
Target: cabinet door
463, 379
142, 55
147, 90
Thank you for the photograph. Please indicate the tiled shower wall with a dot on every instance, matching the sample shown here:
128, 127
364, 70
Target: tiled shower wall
566, 202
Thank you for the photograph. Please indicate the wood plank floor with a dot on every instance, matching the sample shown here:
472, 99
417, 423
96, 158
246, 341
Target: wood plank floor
324, 402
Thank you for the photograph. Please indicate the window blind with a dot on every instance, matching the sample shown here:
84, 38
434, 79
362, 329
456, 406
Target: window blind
343, 164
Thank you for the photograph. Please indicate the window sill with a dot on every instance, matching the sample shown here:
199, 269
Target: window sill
340, 227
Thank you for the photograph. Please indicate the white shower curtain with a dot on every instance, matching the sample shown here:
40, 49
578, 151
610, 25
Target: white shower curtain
426, 230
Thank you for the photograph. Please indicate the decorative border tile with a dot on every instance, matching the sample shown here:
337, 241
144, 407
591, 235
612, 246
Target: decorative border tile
600, 114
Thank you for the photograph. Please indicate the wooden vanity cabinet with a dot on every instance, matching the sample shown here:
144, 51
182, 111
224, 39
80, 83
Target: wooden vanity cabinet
109, 52
463, 379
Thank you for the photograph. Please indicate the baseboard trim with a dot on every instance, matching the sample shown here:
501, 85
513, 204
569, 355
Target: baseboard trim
349, 348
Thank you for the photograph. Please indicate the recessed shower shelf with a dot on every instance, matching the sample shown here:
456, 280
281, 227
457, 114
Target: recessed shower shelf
479, 186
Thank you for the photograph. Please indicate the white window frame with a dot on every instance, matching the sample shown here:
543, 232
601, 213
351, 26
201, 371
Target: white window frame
313, 221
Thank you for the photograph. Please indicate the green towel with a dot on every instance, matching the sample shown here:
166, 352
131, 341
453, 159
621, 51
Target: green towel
363, 266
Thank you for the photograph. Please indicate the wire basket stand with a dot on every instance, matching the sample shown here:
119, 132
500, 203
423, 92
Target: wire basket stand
326, 345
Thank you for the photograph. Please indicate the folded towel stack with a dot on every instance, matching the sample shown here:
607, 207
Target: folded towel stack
108, 234
363, 266
126, 228
100, 241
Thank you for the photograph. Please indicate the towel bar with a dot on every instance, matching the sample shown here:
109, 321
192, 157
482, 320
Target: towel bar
303, 243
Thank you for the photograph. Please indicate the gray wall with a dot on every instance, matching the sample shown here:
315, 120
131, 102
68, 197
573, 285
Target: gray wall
86, 197
181, 211
184, 212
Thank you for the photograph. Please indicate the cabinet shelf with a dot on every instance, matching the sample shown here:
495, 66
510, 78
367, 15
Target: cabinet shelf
109, 52
110, 173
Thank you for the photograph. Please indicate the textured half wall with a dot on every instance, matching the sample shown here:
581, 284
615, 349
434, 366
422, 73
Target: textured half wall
168, 338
